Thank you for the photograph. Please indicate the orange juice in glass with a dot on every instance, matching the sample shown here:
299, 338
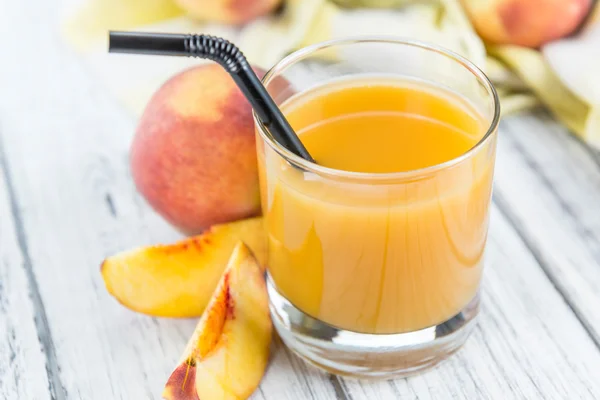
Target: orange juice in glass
376, 251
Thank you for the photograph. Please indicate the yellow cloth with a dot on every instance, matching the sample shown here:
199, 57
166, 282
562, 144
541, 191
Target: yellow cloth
524, 77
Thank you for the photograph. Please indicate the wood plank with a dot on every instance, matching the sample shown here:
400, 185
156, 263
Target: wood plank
527, 345
27, 361
69, 162
548, 184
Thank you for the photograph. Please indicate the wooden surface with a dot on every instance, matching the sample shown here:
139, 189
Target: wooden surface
67, 201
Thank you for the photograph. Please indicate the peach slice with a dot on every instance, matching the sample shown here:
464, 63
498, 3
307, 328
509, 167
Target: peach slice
228, 352
177, 280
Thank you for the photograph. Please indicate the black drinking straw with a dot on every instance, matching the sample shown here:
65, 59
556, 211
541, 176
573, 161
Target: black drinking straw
229, 57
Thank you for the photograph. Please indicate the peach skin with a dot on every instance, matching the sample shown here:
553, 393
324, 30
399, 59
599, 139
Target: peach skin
528, 23
228, 11
193, 156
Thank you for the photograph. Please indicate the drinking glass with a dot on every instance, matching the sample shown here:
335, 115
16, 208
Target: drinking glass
426, 228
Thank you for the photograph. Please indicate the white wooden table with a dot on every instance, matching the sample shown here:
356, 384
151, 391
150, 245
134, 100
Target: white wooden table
67, 201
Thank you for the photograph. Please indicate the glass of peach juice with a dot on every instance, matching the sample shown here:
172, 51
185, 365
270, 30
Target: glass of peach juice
375, 252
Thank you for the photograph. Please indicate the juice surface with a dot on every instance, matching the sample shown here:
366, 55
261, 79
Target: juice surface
379, 257
381, 127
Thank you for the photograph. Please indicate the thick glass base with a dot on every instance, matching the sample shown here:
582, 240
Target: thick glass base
368, 356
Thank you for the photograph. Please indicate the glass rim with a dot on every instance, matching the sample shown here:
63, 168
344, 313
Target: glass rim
334, 173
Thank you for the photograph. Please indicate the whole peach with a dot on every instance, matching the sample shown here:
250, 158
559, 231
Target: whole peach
529, 23
193, 156
228, 11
